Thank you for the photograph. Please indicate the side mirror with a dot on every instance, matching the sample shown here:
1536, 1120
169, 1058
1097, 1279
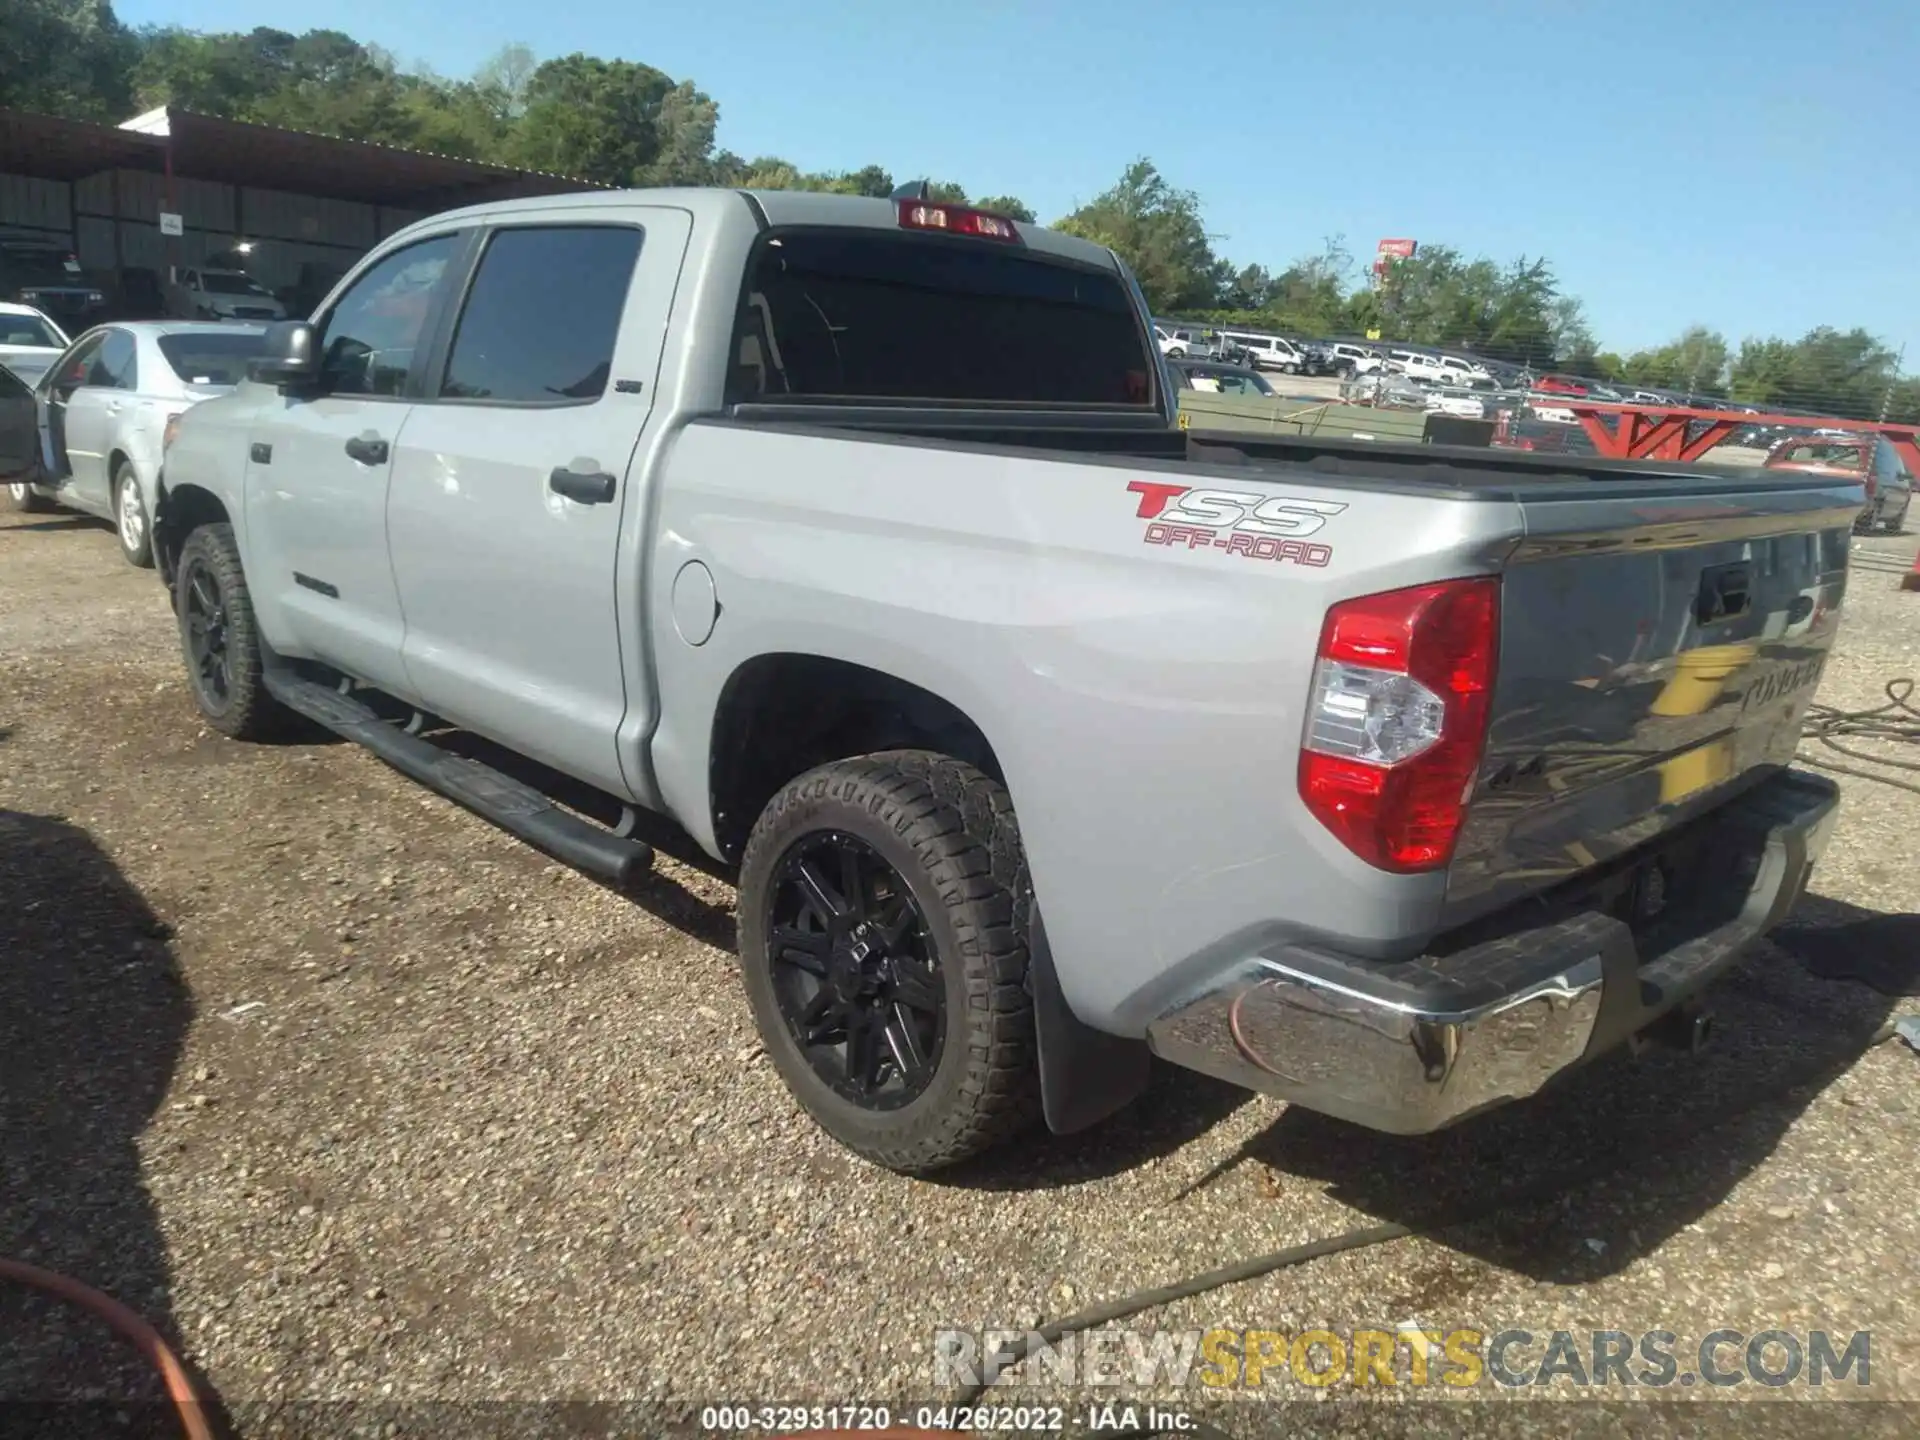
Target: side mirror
288, 361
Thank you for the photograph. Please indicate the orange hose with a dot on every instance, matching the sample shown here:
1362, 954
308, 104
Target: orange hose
145, 1338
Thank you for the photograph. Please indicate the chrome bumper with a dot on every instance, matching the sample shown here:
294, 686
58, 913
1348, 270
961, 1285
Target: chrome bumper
1413, 1047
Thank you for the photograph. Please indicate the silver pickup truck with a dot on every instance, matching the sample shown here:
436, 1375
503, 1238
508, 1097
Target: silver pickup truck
856, 536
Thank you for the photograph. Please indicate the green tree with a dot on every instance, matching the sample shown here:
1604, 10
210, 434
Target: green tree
615, 122
66, 57
1695, 362
1009, 205
1157, 230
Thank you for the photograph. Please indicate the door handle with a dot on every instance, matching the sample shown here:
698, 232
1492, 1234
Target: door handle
589, 487
368, 449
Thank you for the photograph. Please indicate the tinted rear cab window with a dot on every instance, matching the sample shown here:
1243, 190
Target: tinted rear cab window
855, 315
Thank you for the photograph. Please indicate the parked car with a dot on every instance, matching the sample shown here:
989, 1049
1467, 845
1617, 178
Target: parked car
1420, 366
1319, 355
29, 340
1046, 737
1385, 388
1560, 385
1192, 343
199, 293
1213, 377
45, 275
1270, 352
1463, 403
104, 408
1348, 359
1868, 459
1466, 373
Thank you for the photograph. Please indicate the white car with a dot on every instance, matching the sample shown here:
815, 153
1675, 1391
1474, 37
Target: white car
29, 341
1417, 366
1464, 372
201, 293
1463, 403
103, 409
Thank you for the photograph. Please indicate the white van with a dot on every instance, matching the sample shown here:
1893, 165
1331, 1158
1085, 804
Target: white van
1270, 352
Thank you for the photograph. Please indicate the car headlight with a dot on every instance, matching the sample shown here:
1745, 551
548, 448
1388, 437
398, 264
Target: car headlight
96, 297
29, 296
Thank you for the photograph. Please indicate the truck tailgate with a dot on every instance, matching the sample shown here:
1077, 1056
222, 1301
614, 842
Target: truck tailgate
1659, 648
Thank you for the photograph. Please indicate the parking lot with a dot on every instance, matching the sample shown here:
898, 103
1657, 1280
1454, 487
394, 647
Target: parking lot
364, 1101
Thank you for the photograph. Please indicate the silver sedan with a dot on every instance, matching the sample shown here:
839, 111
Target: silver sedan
103, 408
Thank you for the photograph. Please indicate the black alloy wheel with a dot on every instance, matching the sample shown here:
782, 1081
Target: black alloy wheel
208, 631
854, 970
884, 912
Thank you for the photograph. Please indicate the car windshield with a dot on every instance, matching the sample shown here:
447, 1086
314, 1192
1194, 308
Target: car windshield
212, 357
31, 265
30, 330
215, 282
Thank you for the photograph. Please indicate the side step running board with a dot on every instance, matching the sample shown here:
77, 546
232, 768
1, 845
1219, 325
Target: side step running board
516, 808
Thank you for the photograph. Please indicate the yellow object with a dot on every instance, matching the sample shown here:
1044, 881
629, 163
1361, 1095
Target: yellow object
1699, 676
1699, 769
1373, 334
1186, 421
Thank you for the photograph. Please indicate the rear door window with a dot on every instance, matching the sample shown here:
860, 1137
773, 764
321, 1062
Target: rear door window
855, 315
114, 364
542, 314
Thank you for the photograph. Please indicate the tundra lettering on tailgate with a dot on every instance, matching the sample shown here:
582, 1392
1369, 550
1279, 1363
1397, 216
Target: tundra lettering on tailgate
1782, 683
1241, 522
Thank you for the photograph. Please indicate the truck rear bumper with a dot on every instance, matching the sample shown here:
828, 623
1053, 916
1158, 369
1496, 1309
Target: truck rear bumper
1412, 1047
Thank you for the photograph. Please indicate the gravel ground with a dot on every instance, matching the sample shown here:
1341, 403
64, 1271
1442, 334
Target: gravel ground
363, 1102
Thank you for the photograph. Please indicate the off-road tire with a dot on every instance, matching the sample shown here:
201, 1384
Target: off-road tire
950, 833
249, 712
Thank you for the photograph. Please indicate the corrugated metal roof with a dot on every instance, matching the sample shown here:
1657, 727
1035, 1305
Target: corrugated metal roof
49, 148
263, 156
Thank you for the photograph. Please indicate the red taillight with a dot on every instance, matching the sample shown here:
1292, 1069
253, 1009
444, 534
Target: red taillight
1398, 718
956, 220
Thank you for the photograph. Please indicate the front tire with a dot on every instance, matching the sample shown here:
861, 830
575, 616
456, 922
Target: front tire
22, 498
220, 638
130, 518
884, 911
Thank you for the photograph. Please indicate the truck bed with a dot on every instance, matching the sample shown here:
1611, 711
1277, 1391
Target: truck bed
1039, 574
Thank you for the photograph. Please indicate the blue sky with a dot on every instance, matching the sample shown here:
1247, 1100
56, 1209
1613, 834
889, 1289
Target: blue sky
1746, 164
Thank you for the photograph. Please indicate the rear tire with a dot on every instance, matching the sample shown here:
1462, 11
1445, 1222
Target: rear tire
220, 638
22, 498
130, 518
933, 906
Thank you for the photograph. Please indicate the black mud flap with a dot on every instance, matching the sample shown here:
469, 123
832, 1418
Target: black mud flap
1085, 1074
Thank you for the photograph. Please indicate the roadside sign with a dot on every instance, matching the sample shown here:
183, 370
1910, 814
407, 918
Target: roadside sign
170, 224
1399, 249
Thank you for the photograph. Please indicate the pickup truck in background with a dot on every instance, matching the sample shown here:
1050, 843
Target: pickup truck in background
855, 536
200, 292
